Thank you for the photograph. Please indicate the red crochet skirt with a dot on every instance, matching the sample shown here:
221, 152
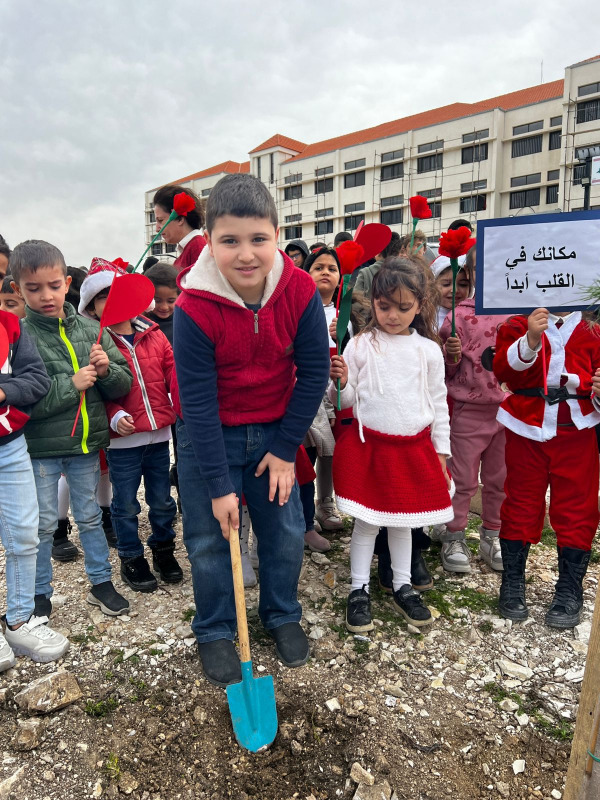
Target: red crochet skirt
390, 480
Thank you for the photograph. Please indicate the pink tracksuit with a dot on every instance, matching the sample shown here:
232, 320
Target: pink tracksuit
476, 438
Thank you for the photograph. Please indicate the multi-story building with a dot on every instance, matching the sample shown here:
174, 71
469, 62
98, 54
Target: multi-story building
520, 153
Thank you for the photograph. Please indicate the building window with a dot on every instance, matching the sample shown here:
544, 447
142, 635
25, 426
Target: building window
157, 249
324, 185
589, 88
392, 155
354, 179
323, 171
436, 210
586, 112
293, 232
293, 178
528, 128
553, 174
527, 146
554, 140
391, 217
425, 148
473, 186
391, 171
393, 200
552, 194
469, 205
579, 172
358, 162
430, 163
272, 167
556, 122
323, 227
292, 192
294, 218
151, 217
170, 248
324, 212
258, 163
472, 137
530, 197
526, 180
352, 208
477, 152
206, 192
429, 193
352, 222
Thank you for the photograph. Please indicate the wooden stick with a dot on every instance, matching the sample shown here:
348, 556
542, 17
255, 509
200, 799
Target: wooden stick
240, 599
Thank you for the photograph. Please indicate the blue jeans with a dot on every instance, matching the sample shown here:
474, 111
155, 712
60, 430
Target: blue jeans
18, 528
127, 466
279, 530
82, 473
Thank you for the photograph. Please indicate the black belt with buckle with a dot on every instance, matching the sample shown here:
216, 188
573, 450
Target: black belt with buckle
554, 395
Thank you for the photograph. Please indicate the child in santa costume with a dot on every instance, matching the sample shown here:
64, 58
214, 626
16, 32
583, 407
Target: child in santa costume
550, 441
389, 465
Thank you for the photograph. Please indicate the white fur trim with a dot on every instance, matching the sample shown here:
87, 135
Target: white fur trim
533, 432
91, 286
513, 356
205, 276
382, 518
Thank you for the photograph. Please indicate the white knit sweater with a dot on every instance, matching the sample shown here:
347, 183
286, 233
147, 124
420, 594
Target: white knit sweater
396, 385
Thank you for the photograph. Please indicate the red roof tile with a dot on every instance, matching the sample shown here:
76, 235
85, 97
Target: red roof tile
283, 141
230, 167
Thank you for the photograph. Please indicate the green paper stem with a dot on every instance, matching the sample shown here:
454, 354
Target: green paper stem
172, 216
412, 238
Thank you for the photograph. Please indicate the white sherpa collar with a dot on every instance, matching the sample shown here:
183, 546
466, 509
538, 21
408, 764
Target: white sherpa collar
205, 276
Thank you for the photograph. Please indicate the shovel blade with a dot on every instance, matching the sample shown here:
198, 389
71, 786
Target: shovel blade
253, 710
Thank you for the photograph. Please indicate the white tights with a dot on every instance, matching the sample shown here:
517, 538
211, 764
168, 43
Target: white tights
361, 554
103, 494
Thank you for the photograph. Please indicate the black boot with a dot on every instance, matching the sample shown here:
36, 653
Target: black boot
512, 603
137, 575
384, 561
111, 536
567, 604
420, 576
165, 563
62, 548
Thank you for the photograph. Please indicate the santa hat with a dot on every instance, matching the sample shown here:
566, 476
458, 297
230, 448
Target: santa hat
100, 276
442, 263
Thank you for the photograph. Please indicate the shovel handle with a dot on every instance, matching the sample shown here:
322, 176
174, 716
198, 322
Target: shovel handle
240, 599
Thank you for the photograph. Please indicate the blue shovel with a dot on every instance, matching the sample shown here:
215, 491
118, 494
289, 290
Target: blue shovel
251, 702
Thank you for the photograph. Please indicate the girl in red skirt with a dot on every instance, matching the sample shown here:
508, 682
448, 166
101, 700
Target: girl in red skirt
389, 465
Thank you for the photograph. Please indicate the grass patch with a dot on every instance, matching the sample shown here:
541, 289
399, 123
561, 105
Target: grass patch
445, 596
188, 614
339, 629
257, 633
112, 767
548, 538
84, 638
561, 730
485, 626
100, 708
361, 647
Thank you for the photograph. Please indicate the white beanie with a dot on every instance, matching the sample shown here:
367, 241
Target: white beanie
442, 263
100, 277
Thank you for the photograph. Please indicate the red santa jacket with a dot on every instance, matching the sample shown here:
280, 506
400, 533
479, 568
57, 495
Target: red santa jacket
150, 360
572, 357
190, 253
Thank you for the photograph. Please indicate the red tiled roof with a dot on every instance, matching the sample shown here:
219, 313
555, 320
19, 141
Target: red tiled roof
586, 60
230, 167
284, 141
523, 97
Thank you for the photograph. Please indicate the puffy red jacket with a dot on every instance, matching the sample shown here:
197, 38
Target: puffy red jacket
150, 359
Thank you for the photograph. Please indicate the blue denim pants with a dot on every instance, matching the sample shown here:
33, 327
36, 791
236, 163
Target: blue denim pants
82, 473
279, 530
18, 528
127, 467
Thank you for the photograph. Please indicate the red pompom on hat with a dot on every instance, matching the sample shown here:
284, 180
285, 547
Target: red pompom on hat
100, 276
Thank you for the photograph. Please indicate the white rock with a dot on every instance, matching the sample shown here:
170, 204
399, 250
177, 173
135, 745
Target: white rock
522, 719
390, 701
316, 632
311, 617
555, 794
360, 775
412, 628
508, 705
333, 704
574, 675
514, 670
583, 631
320, 558
518, 766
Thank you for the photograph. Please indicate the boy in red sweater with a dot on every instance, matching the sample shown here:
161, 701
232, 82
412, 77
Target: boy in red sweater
252, 361
140, 433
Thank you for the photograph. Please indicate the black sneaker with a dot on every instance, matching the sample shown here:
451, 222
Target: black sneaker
137, 575
358, 611
110, 601
220, 662
420, 577
409, 603
291, 644
165, 563
62, 549
42, 606
109, 532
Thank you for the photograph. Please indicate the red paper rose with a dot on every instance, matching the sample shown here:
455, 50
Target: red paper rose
456, 243
351, 255
419, 207
183, 204
118, 262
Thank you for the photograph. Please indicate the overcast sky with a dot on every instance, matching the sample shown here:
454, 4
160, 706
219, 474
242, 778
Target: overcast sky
103, 101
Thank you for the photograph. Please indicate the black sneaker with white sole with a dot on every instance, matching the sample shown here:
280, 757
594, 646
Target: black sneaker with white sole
110, 601
410, 604
358, 612
136, 573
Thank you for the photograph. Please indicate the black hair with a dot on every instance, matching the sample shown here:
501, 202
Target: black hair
240, 195
317, 246
393, 247
342, 236
324, 251
149, 262
4, 248
32, 255
164, 199
6, 288
460, 223
163, 274
78, 275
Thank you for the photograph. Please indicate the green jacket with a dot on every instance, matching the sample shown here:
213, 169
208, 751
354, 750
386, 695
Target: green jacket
64, 345
364, 279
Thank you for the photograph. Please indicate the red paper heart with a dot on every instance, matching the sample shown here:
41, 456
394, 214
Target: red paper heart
129, 296
373, 238
4, 344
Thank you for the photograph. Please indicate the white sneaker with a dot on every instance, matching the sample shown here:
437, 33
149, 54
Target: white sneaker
36, 640
455, 555
489, 548
7, 657
327, 515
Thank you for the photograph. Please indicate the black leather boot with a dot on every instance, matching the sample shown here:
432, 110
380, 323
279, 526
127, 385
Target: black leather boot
63, 549
165, 563
384, 561
420, 576
512, 603
567, 604
111, 536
